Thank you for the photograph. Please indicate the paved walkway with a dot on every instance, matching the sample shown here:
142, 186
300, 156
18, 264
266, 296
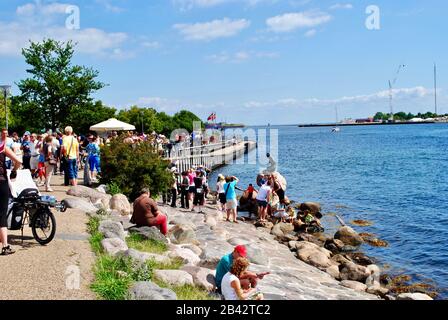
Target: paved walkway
42, 272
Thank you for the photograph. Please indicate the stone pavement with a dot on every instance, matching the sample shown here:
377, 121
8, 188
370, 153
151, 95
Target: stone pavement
42, 272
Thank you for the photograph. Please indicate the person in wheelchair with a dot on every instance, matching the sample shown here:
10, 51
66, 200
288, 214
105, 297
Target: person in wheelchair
4, 194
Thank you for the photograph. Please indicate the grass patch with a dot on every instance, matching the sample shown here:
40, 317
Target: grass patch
186, 292
137, 242
114, 275
95, 236
176, 264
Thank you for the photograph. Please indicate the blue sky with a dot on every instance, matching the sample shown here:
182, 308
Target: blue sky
251, 61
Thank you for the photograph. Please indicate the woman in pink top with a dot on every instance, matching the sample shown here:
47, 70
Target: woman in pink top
191, 187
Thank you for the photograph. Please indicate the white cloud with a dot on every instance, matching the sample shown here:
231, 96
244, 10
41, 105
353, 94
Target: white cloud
382, 97
36, 23
310, 33
341, 6
190, 4
151, 44
239, 57
212, 30
109, 6
291, 21
44, 9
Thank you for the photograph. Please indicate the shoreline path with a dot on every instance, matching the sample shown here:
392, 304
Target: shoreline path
38, 272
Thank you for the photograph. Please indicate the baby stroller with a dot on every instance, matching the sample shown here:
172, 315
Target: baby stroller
28, 207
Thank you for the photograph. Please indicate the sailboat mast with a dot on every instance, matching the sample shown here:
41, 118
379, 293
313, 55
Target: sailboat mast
435, 88
337, 120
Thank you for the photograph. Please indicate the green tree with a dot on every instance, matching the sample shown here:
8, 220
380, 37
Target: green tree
184, 120
55, 86
133, 167
11, 120
82, 118
138, 116
379, 116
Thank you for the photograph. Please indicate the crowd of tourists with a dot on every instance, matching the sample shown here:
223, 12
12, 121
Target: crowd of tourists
51, 153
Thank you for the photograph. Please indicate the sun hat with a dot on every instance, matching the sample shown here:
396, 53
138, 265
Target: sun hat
242, 251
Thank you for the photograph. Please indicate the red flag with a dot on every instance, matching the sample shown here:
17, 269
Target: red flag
212, 117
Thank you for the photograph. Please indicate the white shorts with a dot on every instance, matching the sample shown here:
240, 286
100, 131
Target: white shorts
34, 163
231, 204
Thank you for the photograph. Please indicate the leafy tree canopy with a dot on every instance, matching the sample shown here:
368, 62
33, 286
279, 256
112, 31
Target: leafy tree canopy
55, 86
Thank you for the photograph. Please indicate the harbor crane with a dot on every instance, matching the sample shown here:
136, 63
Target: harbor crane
391, 86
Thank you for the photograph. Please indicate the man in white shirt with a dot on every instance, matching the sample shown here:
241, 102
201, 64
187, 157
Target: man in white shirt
263, 200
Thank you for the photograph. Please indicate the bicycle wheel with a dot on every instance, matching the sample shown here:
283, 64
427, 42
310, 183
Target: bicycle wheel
43, 226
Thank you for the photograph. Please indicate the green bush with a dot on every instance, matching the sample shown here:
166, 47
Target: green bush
133, 167
113, 188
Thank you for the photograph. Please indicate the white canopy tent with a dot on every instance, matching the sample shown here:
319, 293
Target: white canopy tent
112, 125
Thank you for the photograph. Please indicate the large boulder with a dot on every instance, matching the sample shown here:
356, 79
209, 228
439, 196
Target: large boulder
202, 277
340, 259
264, 224
95, 196
114, 246
334, 272
313, 207
174, 277
80, 204
355, 285
241, 240
213, 252
147, 290
257, 255
149, 233
360, 258
280, 229
186, 255
192, 247
349, 236
120, 203
413, 296
112, 229
352, 271
181, 221
211, 221
378, 290
303, 236
182, 234
312, 254
142, 257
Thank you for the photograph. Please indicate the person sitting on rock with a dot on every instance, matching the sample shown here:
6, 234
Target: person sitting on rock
232, 288
147, 214
247, 279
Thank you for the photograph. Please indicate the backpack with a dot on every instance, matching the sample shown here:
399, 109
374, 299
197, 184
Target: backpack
15, 216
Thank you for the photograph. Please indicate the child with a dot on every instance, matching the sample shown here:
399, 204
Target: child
250, 190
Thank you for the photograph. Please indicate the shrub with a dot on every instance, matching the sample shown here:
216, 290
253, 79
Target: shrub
113, 188
133, 167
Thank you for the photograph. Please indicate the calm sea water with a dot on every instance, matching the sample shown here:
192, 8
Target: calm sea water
395, 176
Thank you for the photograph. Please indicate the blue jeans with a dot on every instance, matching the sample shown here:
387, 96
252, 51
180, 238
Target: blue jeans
8, 164
94, 163
72, 169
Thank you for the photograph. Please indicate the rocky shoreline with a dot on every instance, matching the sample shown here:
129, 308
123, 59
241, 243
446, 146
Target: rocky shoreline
302, 266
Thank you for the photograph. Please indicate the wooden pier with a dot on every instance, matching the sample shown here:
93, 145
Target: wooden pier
211, 156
